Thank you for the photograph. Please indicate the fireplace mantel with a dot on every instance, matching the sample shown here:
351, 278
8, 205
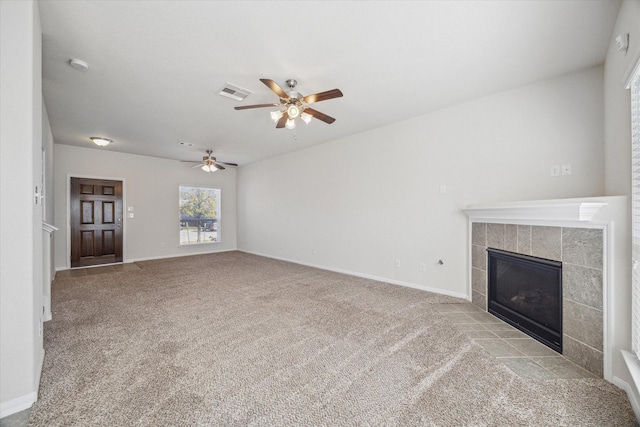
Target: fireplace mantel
566, 211
539, 222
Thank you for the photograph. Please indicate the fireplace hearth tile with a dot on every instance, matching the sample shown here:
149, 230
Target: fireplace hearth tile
457, 317
582, 284
499, 348
546, 242
556, 365
476, 335
510, 334
495, 236
582, 323
484, 318
465, 327
582, 246
500, 327
469, 308
531, 347
562, 368
528, 369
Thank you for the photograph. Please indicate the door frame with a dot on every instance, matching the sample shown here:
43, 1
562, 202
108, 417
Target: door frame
124, 215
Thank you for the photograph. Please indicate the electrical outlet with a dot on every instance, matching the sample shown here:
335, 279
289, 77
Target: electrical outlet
398, 263
566, 169
423, 266
555, 170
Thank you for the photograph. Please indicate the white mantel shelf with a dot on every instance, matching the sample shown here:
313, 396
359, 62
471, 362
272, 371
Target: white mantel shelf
567, 210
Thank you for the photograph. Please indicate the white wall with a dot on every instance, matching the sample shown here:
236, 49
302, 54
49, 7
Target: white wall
359, 203
21, 349
617, 165
617, 101
151, 188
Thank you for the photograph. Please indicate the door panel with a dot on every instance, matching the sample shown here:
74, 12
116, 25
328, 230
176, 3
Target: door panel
96, 222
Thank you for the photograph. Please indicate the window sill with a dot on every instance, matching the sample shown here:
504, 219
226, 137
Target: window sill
198, 244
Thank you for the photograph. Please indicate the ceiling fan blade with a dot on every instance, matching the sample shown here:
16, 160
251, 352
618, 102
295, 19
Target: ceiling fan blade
320, 116
218, 166
322, 96
282, 121
228, 164
274, 87
199, 165
246, 107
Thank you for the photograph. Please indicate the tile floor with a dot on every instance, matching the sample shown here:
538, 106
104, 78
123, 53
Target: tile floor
519, 352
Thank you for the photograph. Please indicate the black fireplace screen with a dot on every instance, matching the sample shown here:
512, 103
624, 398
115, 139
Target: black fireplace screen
526, 292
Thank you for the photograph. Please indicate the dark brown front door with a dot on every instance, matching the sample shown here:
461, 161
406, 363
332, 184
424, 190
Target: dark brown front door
96, 222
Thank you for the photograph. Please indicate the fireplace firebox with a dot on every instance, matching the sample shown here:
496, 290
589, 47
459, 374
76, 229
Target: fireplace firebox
526, 292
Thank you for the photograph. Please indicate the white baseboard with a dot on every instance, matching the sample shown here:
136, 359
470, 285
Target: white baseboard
178, 255
18, 404
152, 258
365, 276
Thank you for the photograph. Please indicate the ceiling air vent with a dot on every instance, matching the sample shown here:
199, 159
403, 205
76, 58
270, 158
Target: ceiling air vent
234, 92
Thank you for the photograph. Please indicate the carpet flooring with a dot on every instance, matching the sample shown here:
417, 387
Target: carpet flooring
233, 339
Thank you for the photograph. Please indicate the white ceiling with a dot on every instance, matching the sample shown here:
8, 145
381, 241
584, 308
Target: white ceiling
156, 66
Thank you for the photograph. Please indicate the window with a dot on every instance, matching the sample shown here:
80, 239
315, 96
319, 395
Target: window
199, 215
634, 85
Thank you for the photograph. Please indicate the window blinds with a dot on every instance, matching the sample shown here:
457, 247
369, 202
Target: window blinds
635, 206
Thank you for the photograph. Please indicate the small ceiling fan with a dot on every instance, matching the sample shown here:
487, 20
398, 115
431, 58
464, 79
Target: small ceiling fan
295, 105
210, 164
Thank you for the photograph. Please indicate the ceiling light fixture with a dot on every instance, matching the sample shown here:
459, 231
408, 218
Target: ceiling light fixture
306, 117
294, 108
276, 115
209, 168
102, 142
78, 64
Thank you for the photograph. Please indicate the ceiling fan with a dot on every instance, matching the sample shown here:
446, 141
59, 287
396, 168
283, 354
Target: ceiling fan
210, 164
295, 105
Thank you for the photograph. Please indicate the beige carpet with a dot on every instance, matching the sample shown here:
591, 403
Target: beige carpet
235, 339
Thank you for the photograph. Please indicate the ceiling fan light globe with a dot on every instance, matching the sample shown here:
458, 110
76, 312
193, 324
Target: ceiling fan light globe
276, 115
291, 124
101, 142
306, 117
293, 111
209, 168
